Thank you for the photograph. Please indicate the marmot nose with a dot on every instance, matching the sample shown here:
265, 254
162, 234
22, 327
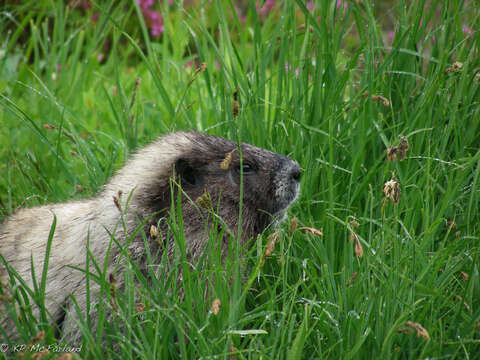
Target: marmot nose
295, 172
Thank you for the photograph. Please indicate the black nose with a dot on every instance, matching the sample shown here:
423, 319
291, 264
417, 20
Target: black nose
295, 173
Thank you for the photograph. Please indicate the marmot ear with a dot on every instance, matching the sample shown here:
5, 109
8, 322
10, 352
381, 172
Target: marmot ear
186, 172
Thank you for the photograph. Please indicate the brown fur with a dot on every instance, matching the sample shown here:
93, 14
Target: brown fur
142, 189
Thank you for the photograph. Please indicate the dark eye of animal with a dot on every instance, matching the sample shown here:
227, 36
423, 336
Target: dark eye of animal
186, 172
248, 168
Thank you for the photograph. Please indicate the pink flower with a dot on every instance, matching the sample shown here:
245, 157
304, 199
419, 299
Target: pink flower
153, 19
341, 3
310, 5
266, 8
468, 31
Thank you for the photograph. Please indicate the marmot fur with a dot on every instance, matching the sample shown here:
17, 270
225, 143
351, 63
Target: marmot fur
206, 167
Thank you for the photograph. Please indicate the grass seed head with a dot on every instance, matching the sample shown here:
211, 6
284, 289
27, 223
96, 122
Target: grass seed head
41, 354
272, 240
205, 200
352, 279
153, 232
358, 247
233, 352
113, 292
235, 105
455, 68
293, 226
403, 147
38, 337
459, 298
140, 307
225, 164
64, 356
116, 200
216, 304
392, 189
382, 99
392, 153
464, 275
353, 224
421, 331
311, 230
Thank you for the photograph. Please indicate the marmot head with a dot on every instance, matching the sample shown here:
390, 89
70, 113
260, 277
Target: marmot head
209, 166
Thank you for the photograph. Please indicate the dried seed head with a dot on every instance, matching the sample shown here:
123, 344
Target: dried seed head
272, 240
399, 151
65, 356
41, 354
456, 67
392, 189
225, 164
358, 247
403, 148
79, 188
311, 230
464, 275
352, 236
293, 226
233, 351
201, 68
38, 337
116, 201
459, 298
140, 307
153, 232
48, 127
205, 200
235, 105
450, 224
380, 98
392, 153
421, 332
216, 304
134, 91
352, 278
113, 292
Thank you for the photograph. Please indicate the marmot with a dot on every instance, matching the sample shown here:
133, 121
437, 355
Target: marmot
204, 167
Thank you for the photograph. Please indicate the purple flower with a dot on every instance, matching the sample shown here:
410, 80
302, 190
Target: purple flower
310, 5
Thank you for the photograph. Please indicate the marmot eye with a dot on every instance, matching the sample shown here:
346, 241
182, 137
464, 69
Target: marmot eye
247, 168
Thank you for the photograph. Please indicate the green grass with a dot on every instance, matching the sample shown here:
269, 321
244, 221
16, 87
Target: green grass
304, 301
